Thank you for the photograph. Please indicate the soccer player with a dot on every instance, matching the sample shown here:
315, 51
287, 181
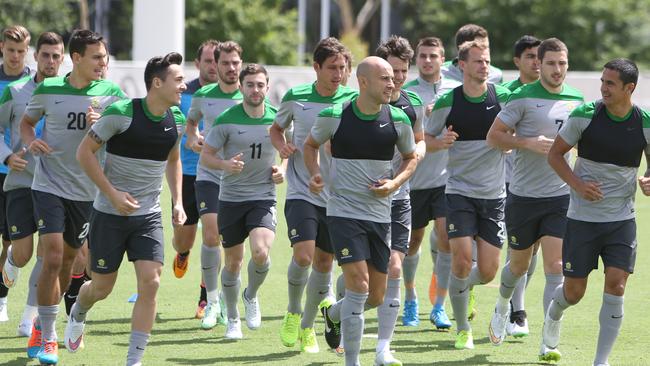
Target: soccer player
305, 212
537, 199
611, 136
184, 235
475, 191
398, 52
207, 104
20, 211
142, 144
247, 193
61, 191
363, 134
468, 33
526, 61
14, 45
427, 193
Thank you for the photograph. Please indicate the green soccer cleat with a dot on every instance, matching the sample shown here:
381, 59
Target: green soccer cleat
289, 330
308, 342
464, 340
548, 354
471, 305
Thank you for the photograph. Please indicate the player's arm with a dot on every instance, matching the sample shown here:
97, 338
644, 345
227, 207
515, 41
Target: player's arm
28, 137
174, 175
406, 146
588, 190
194, 140
278, 172
13, 160
436, 137
279, 141
644, 181
501, 136
310, 156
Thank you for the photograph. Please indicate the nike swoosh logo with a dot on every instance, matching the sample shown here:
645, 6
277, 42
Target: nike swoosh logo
241, 132
463, 290
490, 107
322, 292
224, 285
631, 128
383, 125
211, 104
305, 108
72, 346
141, 349
168, 128
617, 317
59, 101
327, 327
258, 272
353, 313
70, 296
540, 105
393, 306
404, 106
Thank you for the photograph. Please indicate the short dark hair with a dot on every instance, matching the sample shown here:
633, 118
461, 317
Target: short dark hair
16, 33
551, 45
327, 48
157, 67
227, 47
81, 38
395, 46
430, 42
468, 33
209, 43
627, 70
252, 69
525, 43
49, 38
463, 51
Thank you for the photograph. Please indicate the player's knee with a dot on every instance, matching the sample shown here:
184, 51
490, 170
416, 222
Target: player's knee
518, 268
323, 262
149, 286
303, 258
573, 294
211, 238
616, 288
375, 298
394, 269
260, 256
20, 257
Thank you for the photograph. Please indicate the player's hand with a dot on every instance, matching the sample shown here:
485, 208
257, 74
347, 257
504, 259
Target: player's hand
124, 203
92, 116
16, 162
590, 191
383, 187
644, 184
178, 215
428, 109
195, 143
277, 174
39, 147
235, 165
287, 150
540, 144
316, 184
449, 137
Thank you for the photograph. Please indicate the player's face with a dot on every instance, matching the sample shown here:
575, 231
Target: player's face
612, 88
207, 65
400, 70
528, 64
554, 66
48, 59
429, 60
228, 67
331, 74
254, 89
92, 64
173, 86
14, 53
477, 66
346, 74
379, 84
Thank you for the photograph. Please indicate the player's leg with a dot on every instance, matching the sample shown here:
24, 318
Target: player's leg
410, 316
231, 284
78, 277
184, 235
261, 240
438, 314
144, 312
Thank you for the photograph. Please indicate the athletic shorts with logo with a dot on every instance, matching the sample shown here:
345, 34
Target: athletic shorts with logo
20, 213
55, 214
207, 197
528, 219
237, 219
400, 225
306, 221
360, 240
426, 205
615, 242
140, 237
468, 216
189, 200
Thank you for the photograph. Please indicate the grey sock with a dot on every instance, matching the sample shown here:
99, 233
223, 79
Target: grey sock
334, 312
519, 293
78, 312
508, 282
230, 284
296, 279
210, 266
409, 268
553, 282
459, 298
137, 343
474, 276
388, 310
443, 270
558, 304
33, 282
47, 315
340, 287
531, 268
352, 321
318, 288
256, 275
433, 242
611, 317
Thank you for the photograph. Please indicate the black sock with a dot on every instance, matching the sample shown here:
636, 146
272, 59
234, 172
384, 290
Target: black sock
3, 289
71, 295
204, 295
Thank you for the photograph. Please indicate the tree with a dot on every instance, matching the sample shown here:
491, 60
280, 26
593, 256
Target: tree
266, 32
39, 16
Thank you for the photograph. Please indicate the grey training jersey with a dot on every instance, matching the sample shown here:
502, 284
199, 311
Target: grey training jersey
609, 152
411, 104
137, 147
475, 169
533, 111
207, 104
65, 108
299, 108
362, 150
235, 132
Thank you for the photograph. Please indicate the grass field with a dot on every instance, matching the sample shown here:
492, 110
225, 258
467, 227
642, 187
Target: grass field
177, 340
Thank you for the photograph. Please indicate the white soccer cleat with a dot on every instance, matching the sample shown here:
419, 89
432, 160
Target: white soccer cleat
233, 329
74, 334
25, 328
252, 310
386, 358
497, 329
4, 317
551, 332
10, 274
517, 328
212, 312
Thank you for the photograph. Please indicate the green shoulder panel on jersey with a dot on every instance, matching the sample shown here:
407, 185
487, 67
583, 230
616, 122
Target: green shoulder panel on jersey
646, 118
60, 86
308, 93
503, 93
6, 93
237, 116
414, 98
586, 110
122, 107
512, 85
6, 96
411, 84
335, 111
398, 115
179, 117
215, 92
537, 91
445, 101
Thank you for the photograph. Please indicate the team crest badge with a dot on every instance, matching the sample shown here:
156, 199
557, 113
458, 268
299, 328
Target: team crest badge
567, 266
345, 252
101, 263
